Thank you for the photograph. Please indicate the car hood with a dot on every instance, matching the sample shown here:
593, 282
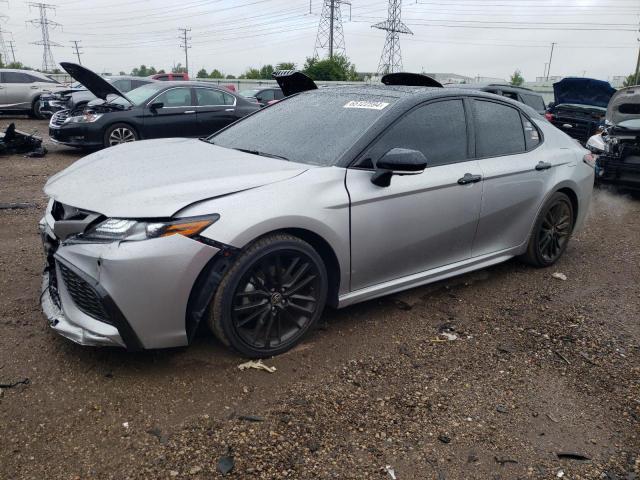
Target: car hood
583, 91
624, 105
157, 178
94, 82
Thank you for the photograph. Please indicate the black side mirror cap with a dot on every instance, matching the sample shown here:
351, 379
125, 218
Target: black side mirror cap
398, 161
156, 105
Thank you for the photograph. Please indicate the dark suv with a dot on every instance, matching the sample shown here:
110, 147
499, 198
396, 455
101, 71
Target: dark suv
519, 94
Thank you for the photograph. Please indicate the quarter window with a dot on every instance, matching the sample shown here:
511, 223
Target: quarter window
534, 101
176, 97
531, 134
438, 130
498, 129
210, 97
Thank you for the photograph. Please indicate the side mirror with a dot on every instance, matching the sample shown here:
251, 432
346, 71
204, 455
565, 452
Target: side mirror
398, 161
156, 105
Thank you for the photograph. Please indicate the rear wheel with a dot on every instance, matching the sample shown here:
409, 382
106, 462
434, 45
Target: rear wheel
551, 232
119, 133
271, 297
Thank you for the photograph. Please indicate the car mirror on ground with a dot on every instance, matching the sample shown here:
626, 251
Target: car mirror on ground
398, 161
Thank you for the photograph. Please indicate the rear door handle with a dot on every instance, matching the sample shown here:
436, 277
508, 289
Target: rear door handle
229, 109
469, 178
543, 166
190, 111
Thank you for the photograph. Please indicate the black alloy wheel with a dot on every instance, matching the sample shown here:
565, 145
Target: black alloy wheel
271, 297
551, 233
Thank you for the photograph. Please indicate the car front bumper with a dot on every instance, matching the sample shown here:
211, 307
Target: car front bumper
126, 294
76, 135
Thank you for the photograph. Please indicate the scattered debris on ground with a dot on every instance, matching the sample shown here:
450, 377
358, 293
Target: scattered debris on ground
256, 364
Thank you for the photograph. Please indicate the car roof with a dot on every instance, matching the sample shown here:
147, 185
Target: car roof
35, 73
127, 77
482, 86
193, 83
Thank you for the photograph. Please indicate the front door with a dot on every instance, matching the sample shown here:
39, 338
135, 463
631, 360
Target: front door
419, 222
176, 118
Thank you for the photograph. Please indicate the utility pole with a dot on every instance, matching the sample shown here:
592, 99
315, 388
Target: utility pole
330, 33
185, 44
637, 82
391, 58
48, 63
3, 45
76, 49
553, 44
544, 74
13, 53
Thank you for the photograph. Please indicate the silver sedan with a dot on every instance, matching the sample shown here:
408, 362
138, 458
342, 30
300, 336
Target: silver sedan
329, 197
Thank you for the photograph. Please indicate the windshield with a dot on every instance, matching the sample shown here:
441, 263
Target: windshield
314, 128
249, 93
139, 95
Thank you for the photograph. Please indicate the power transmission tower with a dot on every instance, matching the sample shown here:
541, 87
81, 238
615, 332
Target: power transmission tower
13, 52
48, 63
4, 51
185, 44
391, 58
76, 49
330, 35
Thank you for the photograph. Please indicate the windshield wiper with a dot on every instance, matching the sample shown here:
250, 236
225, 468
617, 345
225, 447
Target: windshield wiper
262, 154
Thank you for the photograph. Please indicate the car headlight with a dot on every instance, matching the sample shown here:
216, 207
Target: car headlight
117, 229
84, 118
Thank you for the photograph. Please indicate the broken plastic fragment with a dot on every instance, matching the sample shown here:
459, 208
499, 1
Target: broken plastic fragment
389, 469
258, 365
559, 276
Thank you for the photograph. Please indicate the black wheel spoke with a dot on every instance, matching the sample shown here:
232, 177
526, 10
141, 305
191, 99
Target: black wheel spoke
303, 298
248, 307
259, 325
300, 285
300, 308
303, 268
253, 316
252, 293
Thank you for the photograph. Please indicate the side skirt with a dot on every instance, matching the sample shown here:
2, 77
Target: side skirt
430, 276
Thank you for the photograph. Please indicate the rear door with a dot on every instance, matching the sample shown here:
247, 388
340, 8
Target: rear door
3, 89
419, 222
177, 117
516, 175
17, 91
215, 109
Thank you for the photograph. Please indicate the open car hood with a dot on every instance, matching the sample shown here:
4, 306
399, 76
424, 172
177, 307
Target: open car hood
157, 178
624, 105
94, 82
293, 81
583, 91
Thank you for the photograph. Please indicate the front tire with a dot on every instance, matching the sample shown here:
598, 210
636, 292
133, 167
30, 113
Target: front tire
119, 133
551, 232
35, 110
271, 297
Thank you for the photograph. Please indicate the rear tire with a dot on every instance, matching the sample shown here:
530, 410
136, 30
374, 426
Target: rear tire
270, 298
119, 133
551, 232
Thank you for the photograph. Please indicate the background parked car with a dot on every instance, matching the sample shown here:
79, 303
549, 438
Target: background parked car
170, 77
263, 95
579, 106
519, 94
20, 91
154, 110
78, 96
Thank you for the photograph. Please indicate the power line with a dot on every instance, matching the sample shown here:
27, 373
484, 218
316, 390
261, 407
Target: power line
48, 63
76, 49
391, 58
330, 33
185, 44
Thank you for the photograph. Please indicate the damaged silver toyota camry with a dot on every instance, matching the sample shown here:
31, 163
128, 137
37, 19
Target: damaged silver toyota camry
330, 197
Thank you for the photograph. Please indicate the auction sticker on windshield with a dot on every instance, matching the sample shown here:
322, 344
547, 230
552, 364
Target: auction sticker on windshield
365, 104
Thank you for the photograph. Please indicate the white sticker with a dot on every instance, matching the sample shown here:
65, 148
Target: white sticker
365, 104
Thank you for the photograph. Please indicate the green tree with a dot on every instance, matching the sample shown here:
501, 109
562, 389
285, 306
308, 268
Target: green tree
144, 71
230, 77
202, 73
251, 73
266, 71
337, 68
631, 81
179, 69
215, 73
517, 79
286, 66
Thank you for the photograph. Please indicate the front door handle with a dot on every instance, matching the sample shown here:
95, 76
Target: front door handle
543, 166
229, 109
469, 178
190, 111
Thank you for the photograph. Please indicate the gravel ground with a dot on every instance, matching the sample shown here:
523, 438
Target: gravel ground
539, 367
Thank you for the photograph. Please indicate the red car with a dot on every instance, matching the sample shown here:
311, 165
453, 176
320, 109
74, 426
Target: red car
170, 77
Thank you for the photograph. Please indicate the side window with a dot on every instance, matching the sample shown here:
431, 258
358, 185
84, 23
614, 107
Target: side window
498, 129
531, 134
210, 97
534, 101
438, 130
511, 95
137, 83
16, 77
266, 95
279, 95
162, 77
123, 85
176, 97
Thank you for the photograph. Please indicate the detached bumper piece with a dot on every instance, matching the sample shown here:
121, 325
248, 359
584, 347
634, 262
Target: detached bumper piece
14, 141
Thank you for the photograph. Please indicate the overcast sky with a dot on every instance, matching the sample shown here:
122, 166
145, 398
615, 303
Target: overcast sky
469, 37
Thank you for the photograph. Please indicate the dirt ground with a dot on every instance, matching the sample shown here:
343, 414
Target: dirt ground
540, 367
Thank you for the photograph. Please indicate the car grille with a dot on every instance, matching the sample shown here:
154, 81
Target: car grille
58, 118
84, 295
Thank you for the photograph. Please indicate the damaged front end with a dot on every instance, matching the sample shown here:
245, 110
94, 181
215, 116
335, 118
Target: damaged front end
14, 141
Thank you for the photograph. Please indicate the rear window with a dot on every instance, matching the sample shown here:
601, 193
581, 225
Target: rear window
313, 127
498, 129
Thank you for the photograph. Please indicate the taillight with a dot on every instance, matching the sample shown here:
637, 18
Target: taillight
549, 116
590, 159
